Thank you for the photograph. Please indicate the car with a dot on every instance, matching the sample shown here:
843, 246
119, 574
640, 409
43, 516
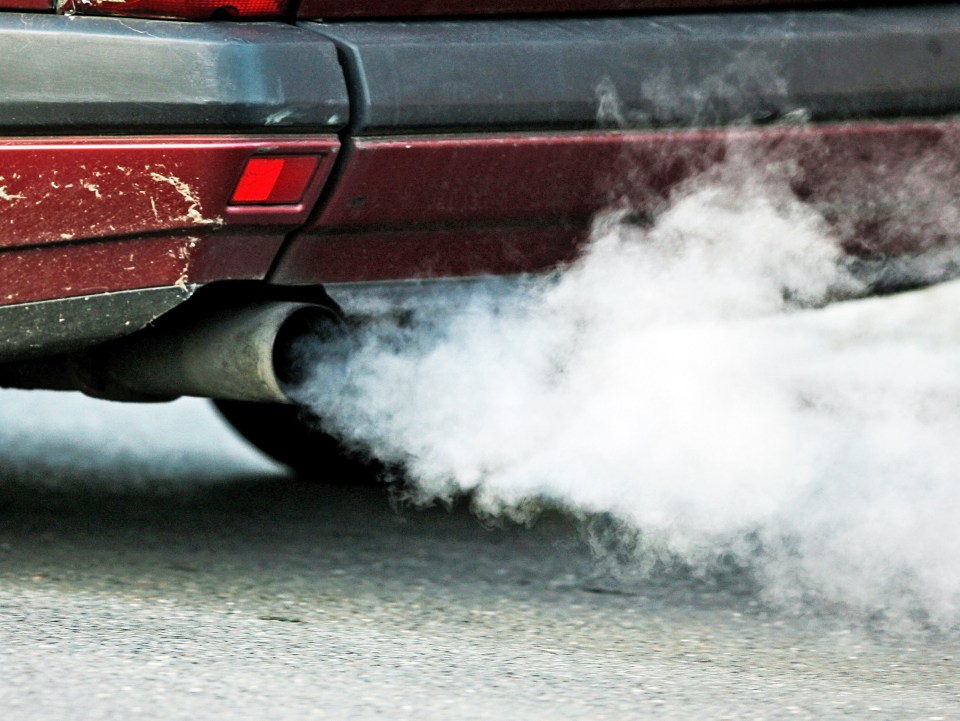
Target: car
187, 186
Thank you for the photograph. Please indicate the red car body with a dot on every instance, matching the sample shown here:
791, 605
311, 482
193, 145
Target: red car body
396, 140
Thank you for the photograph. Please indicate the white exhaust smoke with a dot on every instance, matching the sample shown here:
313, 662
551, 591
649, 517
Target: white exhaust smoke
677, 378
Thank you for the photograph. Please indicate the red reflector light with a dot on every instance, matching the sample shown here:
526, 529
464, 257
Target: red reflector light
177, 9
274, 180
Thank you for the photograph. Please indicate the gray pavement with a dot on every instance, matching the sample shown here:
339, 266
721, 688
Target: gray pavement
151, 567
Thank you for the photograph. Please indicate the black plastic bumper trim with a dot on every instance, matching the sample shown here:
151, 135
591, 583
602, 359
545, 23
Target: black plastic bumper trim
687, 70
53, 326
83, 73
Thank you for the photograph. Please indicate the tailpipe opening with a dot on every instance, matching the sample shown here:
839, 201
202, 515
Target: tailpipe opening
305, 339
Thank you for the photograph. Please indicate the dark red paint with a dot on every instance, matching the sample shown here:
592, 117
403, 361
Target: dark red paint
35, 5
149, 212
398, 8
408, 254
62, 271
85, 188
434, 206
181, 9
521, 176
154, 212
229, 255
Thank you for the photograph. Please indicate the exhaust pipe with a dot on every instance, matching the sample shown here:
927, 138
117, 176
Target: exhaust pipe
245, 353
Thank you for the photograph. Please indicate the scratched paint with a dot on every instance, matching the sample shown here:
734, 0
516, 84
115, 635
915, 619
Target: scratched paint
62, 270
67, 270
4, 195
193, 213
67, 199
86, 216
92, 188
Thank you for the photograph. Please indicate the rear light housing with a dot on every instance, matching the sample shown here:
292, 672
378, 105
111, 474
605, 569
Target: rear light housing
179, 9
275, 180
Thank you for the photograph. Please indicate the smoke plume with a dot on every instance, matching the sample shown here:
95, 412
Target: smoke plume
710, 381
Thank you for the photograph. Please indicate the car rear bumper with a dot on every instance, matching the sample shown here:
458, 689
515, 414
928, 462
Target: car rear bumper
523, 202
80, 74
70, 75
485, 146
456, 147
650, 71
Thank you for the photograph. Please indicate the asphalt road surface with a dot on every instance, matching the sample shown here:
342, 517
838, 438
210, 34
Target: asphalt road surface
151, 567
